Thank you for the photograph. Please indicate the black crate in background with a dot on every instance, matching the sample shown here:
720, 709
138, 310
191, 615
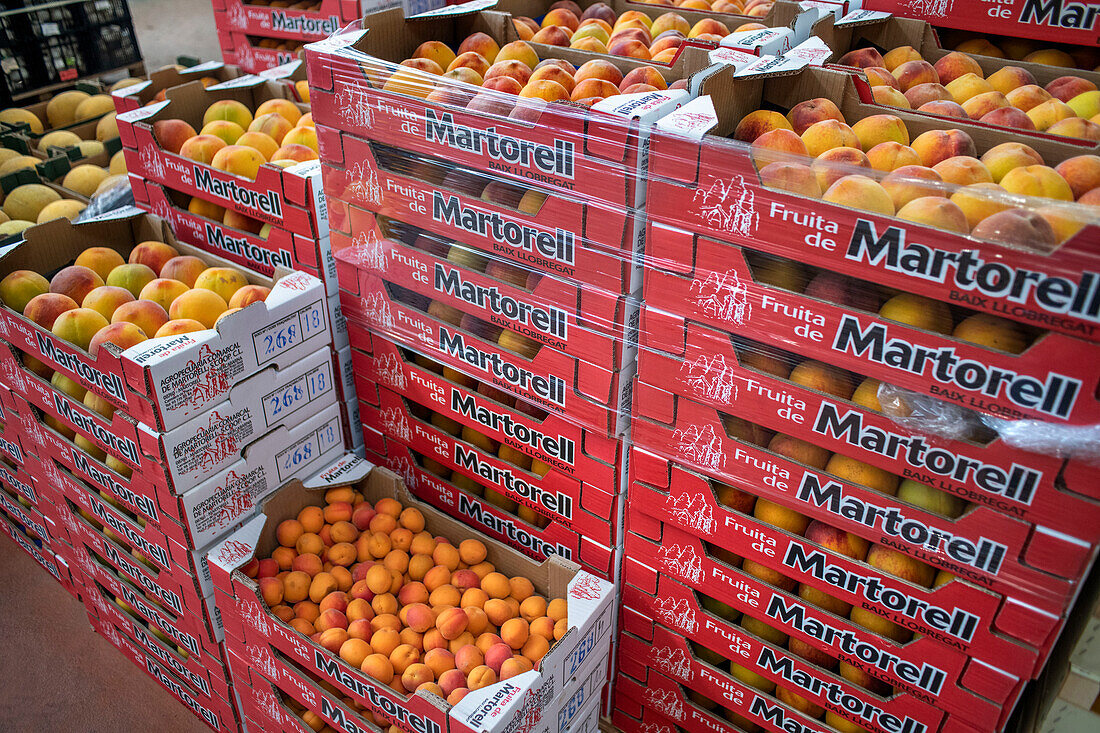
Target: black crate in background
51, 44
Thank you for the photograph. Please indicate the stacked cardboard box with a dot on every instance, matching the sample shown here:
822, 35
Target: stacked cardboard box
284, 677
147, 456
279, 220
806, 549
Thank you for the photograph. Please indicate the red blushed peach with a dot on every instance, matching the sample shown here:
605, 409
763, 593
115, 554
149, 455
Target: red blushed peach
598, 69
914, 73
667, 43
630, 33
891, 155
1081, 172
503, 85
522, 30
467, 658
592, 45
860, 192
794, 177
922, 94
184, 268
75, 281
451, 680
470, 60
811, 111
953, 65
490, 103
545, 89
122, 335
1007, 78
1065, 88
152, 254
106, 299
202, 148
709, 26
982, 104
1008, 117
1076, 127
944, 108
555, 74
179, 326
511, 68
161, 291
172, 134
481, 43
832, 165
755, 124
553, 36
453, 95
963, 170
1028, 96
861, 58
909, 182
561, 17
629, 47
934, 146
593, 88
644, 75
274, 125
145, 314
640, 89
778, 146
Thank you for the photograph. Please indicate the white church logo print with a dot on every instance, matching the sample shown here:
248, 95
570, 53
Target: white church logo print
929, 8
678, 614
238, 18
653, 728
682, 562
692, 511
710, 377
665, 702
376, 309
722, 296
367, 251
263, 660
354, 107
702, 447
152, 162
267, 702
672, 661
394, 423
389, 370
363, 184
729, 206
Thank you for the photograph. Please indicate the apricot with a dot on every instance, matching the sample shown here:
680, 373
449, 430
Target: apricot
544, 627
271, 590
452, 622
386, 604
445, 595
497, 610
320, 586
515, 632
496, 585
557, 609
385, 640
519, 664
378, 666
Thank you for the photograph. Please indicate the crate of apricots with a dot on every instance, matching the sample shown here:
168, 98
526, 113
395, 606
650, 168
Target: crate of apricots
421, 622
154, 328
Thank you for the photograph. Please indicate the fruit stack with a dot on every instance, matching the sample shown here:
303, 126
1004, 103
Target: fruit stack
483, 245
165, 392
349, 603
847, 508
234, 168
258, 34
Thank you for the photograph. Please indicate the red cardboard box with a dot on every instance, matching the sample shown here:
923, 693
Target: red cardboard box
708, 184
1057, 22
200, 448
20, 478
281, 249
922, 667
244, 50
41, 552
139, 95
248, 621
1028, 486
289, 197
298, 25
538, 539
579, 391
29, 517
1036, 572
566, 447
217, 714
574, 319
586, 509
165, 382
643, 643
1053, 379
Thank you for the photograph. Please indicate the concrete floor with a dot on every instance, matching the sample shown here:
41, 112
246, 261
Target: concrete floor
168, 28
58, 675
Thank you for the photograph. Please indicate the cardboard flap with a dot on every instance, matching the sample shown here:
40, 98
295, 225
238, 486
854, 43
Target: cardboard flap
348, 469
863, 17
474, 6
695, 119
813, 50
141, 113
280, 72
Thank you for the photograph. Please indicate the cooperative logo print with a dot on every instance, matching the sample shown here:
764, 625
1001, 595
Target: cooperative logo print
729, 206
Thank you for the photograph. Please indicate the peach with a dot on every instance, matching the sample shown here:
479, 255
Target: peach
944, 108
1008, 117
225, 281
804, 114
198, 304
862, 58
934, 146
599, 69
1045, 114
922, 94
895, 57
513, 68
497, 654
468, 658
224, 130
877, 76
963, 170
123, 335
860, 192
522, 30
981, 47
1007, 78
891, 155
161, 291
1065, 220
825, 135
1081, 172
249, 294
78, 326
794, 177
228, 109
435, 51
1027, 97
553, 36
953, 65
644, 75
937, 212
283, 107
587, 88
982, 104
780, 516
75, 281
875, 129
912, 73
18, 288
545, 89
133, 277
1050, 57
152, 254
755, 124
900, 565
171, 134
589, 42
782, 145
918, 312
1065, 88
503, 85
629, 47
1037, 180
1086, 104
799, 450
966, 86
489, 103
554, 74
518, 51
1008, 156
205, 209
101, 260
979, 201
834, 164
669, 22
239, 160
297, 153
1076, 127
145, 314
274, 125
890, 97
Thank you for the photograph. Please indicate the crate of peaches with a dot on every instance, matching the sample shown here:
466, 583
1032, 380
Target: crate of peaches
420, 621
915, 72
154, 328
